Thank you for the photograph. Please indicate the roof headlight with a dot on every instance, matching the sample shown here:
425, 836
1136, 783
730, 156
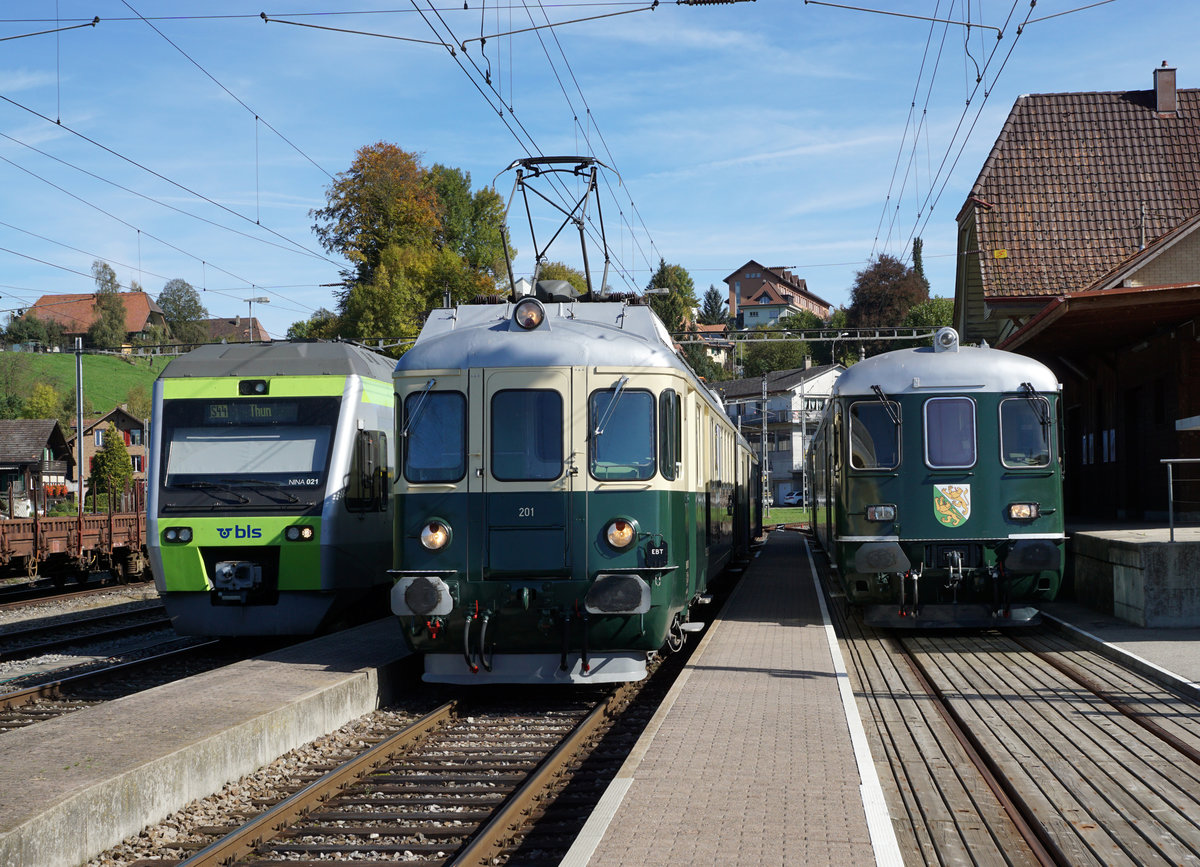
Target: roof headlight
620, 533
181, 535
435, 535
529, 313
299, 533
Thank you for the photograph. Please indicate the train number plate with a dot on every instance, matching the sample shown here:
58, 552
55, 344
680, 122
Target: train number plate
656, 556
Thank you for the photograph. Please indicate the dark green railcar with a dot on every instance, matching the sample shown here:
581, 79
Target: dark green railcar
566, 489
937, 481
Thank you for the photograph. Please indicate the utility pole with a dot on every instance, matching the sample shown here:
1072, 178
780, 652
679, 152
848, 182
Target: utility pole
261, 299
766, 471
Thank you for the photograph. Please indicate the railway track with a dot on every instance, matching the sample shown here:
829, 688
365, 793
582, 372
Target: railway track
48, 590
1026, 749
20, 708
456, 786
43, 639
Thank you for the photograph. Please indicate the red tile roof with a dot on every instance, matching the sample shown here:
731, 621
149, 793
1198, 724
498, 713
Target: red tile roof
1078, 182
76, 313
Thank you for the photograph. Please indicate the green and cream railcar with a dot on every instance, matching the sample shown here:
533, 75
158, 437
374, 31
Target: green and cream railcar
566, 489
269, 508
937, 480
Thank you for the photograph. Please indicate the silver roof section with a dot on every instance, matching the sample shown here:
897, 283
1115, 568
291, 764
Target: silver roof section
280, 358
921, 371
586, 333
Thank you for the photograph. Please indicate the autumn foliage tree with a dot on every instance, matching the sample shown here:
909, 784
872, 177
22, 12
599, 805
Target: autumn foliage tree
883, 292
412, 235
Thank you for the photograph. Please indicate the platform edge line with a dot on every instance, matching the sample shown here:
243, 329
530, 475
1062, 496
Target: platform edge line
879, 822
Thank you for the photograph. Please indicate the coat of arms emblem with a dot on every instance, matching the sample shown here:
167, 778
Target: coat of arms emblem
952, 504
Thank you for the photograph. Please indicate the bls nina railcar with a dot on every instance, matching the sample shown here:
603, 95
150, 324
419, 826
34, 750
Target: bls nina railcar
938, 486
269, 498
566, 490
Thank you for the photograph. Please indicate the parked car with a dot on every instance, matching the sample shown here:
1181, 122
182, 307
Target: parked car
793, 498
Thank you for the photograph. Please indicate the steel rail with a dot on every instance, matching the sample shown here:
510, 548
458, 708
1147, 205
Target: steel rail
495, 837
246, 839
58, 643
1045, 849
53, 689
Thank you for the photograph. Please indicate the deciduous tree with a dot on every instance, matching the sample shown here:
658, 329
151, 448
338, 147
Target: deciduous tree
184, 311
883, 292
107, 331
43, 402
382, 201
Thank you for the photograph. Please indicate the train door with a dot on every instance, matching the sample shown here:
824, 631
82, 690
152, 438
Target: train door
525, 470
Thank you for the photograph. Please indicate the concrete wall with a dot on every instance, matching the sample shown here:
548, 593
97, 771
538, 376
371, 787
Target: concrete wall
1138, 576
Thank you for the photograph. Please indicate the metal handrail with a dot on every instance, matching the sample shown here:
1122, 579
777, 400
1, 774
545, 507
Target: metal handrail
1171, 487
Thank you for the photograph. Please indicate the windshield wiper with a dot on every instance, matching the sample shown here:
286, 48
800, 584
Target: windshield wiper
416, 413
887, 405
264, 484
1041, 406
209, 487
612, 405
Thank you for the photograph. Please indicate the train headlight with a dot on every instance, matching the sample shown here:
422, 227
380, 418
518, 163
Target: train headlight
1023, 511
529, 313
620, 533
881, 513
299, 533
435, 535
180, 535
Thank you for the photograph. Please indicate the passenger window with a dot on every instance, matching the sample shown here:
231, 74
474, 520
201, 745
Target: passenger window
1025, 432
368, 486
874, 435
435, 448
950, 432
624, 448
670, 426
527, 435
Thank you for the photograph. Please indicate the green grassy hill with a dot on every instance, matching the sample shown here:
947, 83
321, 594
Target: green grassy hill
107, 379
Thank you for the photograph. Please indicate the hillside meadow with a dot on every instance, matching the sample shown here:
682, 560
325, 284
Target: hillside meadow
107, 379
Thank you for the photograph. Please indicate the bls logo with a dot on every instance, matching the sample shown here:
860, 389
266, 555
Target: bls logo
246, 532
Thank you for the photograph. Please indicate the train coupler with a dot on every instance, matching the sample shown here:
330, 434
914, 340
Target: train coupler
910, 601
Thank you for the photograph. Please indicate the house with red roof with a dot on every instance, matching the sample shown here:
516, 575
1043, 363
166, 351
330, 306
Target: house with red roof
76, 313
760, 296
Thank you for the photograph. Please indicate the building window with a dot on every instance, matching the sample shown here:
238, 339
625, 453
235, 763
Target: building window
137, 463
135, 437
99, 437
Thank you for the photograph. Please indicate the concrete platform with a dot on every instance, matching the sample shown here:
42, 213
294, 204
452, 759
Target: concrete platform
1169, 655
1137, 573
758, 756
68, 793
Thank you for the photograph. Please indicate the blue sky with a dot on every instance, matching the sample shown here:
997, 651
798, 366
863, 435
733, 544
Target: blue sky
773, 130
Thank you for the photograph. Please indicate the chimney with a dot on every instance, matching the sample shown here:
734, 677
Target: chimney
1164, 90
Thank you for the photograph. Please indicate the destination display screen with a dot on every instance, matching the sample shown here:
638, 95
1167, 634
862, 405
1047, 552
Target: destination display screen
251, 412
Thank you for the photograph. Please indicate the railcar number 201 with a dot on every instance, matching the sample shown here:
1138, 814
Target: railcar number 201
525, 511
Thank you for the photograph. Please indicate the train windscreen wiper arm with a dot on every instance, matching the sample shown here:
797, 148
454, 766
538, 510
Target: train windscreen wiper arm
887, 405
265, 484
209, 487
612, 405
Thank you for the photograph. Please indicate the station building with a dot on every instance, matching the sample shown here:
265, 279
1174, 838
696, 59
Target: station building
1079, 246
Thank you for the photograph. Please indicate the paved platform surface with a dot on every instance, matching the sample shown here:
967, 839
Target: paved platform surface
1159, 652
752, 760
68, 793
